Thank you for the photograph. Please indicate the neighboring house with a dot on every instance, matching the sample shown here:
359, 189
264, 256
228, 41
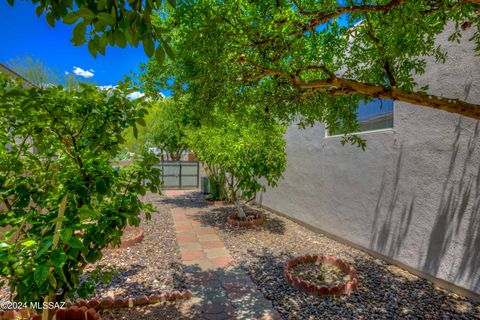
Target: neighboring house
413, 197
7, 70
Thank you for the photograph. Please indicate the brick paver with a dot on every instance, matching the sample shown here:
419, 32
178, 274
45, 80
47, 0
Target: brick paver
223, 290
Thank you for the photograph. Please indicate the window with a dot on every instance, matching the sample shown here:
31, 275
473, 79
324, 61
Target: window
372, 116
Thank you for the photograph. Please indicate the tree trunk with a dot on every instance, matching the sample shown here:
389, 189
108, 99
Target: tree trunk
240, 213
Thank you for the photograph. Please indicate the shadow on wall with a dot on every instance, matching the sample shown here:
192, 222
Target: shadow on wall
459, 205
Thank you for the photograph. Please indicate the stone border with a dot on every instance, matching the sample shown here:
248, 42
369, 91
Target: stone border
233, 221
217, 203
87, 310
320, 290
120, 302
128, 242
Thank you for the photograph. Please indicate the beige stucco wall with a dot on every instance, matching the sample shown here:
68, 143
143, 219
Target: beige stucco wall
414, 194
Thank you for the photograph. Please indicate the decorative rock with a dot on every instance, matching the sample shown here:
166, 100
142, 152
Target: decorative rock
9, 314
81, 302
61, 314
141, 301
106, 302
91, 314
120, 302
154, 298
94, 304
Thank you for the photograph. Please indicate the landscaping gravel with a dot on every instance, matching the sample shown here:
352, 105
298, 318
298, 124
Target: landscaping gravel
150, 266
385, 291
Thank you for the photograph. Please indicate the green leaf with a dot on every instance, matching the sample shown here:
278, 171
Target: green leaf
107, 18
135, 132
58, 258
160, 55
50, 19
39, 10
168, 49
141, 122
4, 245
172, 3
75, 243
79, 34
85, 13
148, 46
120, 39
44, 249
100, 186
41, 274
66, 234
29, 243
71, 18
92, 48
60, 219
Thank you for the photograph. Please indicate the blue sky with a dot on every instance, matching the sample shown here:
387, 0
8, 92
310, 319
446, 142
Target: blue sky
24, 34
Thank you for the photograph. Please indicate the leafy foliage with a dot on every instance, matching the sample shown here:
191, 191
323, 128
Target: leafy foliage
306, 61
165, 128
62, 201
241, 153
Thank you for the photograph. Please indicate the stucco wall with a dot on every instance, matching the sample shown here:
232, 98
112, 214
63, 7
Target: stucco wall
414, 194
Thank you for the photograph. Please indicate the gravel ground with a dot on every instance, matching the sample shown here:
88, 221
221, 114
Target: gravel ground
385, 291
149, 266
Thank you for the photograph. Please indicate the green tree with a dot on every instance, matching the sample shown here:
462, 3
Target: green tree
62, 202
165, 128
316, 59
242, 152
312, 60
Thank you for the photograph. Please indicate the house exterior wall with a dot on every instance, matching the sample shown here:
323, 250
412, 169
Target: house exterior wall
414, 194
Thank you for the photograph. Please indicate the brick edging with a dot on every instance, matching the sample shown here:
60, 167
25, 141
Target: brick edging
319, 290
128, 242
233, 221
87, 309
217, 202
130, 302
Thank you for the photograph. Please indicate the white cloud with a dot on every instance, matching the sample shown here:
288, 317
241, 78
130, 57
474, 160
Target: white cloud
67, 73
83, 73
107, 88
135, 95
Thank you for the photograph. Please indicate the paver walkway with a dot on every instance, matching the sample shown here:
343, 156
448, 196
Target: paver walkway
223, 290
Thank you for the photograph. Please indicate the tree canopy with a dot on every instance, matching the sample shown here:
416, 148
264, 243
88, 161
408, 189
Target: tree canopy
311, 60
61, 200
316, 59
165, 128
242, 152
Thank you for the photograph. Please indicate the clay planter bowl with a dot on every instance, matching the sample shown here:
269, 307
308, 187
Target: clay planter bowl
217, 203
253, 219
316, 289
130, 237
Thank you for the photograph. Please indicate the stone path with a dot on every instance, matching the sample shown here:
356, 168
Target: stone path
221, 290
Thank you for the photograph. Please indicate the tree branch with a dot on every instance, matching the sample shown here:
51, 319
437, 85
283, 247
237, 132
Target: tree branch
341, 86
322, 16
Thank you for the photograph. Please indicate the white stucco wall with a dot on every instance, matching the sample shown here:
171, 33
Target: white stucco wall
414, 194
